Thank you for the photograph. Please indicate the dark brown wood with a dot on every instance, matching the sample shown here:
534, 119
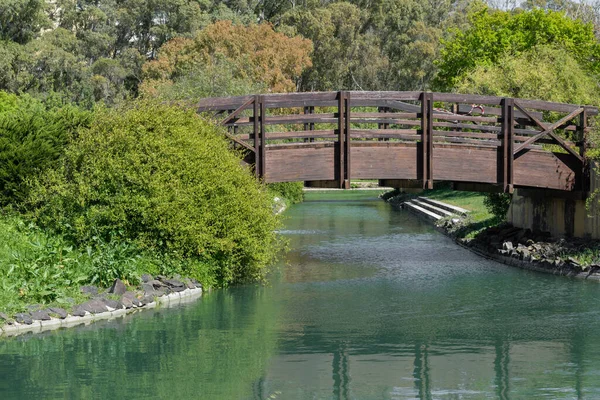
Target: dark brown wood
263, 140
341, 144
256, 110
347, 140
549, 131
476, 149
427, 139
508, 127
237, 111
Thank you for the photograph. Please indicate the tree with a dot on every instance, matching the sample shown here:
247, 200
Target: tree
255, 53
493, 35
22, 20
543, 72
345, 56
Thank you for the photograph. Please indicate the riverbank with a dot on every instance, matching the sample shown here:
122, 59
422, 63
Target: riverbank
103, 306
481, 233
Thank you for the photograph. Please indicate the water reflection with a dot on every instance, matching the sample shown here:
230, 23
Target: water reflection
370, 304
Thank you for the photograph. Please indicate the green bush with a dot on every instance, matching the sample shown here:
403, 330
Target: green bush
163, 179
290, 191
497, 204
41, 267
32, 138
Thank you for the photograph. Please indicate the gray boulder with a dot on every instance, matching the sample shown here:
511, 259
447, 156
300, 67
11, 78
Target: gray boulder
118, 287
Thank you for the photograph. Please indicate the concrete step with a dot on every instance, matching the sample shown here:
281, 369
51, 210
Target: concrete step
422, 211
432, 208
445, 206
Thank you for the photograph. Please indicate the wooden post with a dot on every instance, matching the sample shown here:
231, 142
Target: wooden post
263, 138
427, 139
348, 139
582, 130
309, 126
508, 157
341, 139
255, 118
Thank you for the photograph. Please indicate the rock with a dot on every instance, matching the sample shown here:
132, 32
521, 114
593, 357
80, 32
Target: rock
34, 307
198, 284
115, 305
24, 318
118, 287
147, 287
507, 246
147, 278
6, 318
156, 284
40, 315
174, 285
94, 306
189, 284
89, 290
78, 311
61, 312
574, 262
147, 298
127, 303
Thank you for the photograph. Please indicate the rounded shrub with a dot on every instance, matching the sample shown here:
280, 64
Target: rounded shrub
165, 179
32, 138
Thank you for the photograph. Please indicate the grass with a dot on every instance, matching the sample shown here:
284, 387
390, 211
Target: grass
37, 267
472, 201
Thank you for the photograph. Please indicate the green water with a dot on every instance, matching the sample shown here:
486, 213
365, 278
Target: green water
372, 304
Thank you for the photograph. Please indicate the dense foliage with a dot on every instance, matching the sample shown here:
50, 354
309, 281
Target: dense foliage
255, 54
544, 72
32, 138
492, 36
164, 180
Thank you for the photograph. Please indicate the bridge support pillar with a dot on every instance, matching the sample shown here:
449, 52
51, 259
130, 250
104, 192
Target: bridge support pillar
560, 216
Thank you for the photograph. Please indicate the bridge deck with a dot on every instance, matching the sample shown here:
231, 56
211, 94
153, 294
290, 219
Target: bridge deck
420, 137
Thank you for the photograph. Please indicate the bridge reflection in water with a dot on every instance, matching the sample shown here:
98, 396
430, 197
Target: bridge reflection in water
410, 139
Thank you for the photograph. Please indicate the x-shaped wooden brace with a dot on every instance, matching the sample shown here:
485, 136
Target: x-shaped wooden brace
234, 114
548, 130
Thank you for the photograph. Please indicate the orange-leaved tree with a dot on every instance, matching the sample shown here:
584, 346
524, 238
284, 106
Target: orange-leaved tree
222, 55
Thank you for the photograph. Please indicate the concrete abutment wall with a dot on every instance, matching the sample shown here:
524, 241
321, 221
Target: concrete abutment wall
560, 217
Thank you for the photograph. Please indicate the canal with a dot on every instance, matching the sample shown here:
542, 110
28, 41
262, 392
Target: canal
369, 303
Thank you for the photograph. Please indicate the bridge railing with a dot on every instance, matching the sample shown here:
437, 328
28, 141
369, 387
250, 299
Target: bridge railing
428, 121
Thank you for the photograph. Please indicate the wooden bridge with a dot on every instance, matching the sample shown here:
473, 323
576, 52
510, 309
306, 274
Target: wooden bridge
410, 139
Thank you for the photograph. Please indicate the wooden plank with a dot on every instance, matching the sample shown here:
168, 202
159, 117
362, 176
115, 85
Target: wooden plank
317, 134
359, 96
549, 129
427, 139
348, 139
507, 145
471, 118
384, 160
489, 143
263, 141
301, 162
476, 135
382, 115
237, 111
467, 98
255, 131
341, 140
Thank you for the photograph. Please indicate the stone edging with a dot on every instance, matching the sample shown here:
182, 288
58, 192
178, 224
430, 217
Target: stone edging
513, 260
528, 265
167, 300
